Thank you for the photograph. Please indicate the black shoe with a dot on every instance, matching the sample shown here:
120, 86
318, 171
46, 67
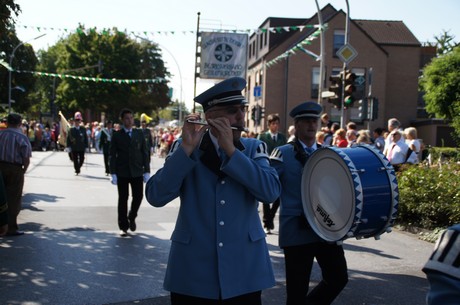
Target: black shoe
15, 233
132, 225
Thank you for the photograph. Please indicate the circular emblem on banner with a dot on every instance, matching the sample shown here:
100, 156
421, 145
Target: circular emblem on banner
223, 52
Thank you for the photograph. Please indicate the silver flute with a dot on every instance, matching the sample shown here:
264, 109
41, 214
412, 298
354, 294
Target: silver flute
206, 124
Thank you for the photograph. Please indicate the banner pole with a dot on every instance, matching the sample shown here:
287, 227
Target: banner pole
196, 59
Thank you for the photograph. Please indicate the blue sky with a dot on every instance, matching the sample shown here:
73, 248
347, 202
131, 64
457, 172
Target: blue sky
425, 19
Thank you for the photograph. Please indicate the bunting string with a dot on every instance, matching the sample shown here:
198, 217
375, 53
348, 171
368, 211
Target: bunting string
96, 79
298, 47
275, 30
80, 31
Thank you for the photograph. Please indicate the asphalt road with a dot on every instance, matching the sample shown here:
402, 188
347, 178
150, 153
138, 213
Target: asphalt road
72, 254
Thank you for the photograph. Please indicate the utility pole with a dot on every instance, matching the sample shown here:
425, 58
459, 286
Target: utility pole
322, 54
347, 24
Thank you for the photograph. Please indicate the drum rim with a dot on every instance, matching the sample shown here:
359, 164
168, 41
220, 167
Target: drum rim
357, 194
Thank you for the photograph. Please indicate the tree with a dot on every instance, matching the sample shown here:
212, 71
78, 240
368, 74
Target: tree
441, 84
24, 59
122, 58
7, 9
445, 43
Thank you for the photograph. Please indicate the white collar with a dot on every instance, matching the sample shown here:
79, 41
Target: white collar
314, 146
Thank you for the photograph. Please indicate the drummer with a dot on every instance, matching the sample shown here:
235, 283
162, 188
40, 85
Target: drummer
300, 243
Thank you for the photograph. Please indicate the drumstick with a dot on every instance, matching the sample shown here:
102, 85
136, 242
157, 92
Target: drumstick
206, 124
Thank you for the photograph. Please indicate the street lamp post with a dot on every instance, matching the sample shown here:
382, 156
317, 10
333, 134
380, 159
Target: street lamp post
11, 69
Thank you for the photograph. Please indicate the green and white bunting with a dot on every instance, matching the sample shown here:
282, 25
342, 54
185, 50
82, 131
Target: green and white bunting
97, 79
298, 47
281, 29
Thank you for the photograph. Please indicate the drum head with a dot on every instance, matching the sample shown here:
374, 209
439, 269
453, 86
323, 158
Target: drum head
328, 194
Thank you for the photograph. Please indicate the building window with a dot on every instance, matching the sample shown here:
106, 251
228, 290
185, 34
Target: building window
339, 41
336, 71
315, 82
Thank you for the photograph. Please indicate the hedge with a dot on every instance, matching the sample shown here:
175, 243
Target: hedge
429, 195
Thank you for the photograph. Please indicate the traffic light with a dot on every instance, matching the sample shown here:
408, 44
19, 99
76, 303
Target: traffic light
260, 114
349, 88
336, 89
175, 113
257, 113
363, 106
374, 109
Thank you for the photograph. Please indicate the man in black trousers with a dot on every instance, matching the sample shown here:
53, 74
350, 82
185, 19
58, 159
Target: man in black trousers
129, 165
273, 138
77, 142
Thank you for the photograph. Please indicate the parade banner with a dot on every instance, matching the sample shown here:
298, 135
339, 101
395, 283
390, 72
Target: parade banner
223, 55
64, 126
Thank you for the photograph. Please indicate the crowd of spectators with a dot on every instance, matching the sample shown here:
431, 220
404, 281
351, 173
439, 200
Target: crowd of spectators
44, 137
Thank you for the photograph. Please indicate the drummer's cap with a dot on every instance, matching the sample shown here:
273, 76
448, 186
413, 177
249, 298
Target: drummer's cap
306, 110
227, 92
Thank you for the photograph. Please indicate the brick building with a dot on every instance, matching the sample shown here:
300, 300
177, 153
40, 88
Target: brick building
387, 47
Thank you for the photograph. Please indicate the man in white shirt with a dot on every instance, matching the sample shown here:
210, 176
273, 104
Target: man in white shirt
398, 148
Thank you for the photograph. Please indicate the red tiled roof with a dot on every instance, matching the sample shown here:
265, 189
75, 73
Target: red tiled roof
388, 32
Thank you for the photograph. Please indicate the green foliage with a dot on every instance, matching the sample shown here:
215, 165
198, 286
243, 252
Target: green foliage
445, 43
441, 84
122, 58
7, 9
24, 59
444, 154
429, 196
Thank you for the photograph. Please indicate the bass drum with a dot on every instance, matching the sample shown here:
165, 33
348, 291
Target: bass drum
349, 192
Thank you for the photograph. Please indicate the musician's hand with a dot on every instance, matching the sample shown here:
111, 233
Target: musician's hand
191, 133
221, 129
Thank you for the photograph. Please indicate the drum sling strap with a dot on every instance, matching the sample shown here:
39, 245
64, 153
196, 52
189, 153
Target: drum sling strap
301, 156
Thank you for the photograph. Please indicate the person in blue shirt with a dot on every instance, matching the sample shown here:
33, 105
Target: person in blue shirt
218, 251
443, 269
299, 241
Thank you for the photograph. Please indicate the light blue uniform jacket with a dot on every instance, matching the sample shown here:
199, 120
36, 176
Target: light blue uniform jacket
443, 270
294, 229
218, 245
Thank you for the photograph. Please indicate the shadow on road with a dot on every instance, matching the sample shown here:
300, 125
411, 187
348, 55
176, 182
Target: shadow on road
80, 266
